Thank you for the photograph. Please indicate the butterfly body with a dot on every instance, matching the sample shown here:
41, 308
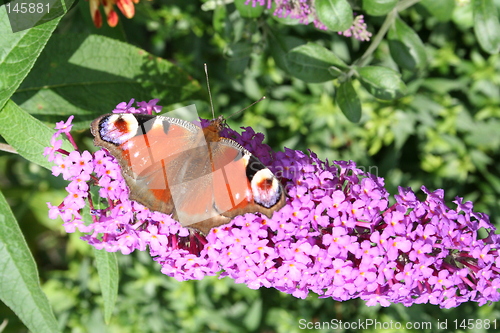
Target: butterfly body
176, 167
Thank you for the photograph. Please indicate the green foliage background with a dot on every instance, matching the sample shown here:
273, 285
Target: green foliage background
444, 133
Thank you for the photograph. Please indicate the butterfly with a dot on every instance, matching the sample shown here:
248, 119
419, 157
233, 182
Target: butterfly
176, 167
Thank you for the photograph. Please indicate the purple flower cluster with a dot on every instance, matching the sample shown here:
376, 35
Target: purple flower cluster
337, 236
358, 30
302, 10
305, 12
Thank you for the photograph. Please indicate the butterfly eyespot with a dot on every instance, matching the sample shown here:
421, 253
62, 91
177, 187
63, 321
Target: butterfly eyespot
121, 125
115, 129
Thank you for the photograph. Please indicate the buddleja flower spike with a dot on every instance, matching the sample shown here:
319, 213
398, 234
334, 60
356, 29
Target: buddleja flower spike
336, 235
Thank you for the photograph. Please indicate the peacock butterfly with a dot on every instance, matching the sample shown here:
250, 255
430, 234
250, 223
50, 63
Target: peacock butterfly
176, 167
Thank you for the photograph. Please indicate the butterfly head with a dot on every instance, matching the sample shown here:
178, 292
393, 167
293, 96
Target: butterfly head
219, 123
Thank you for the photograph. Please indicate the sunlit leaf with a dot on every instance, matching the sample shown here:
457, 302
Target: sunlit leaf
19, 52
87, 76
19, 282
107, 268
26, 134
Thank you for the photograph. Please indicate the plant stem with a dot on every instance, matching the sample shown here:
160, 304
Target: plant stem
389, 20
405, 4
7, 148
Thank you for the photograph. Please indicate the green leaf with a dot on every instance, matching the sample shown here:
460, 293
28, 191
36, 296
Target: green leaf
443, 85
379, 7
463, 16
26, 134
19, 282
310, 63
441, 9
406, 47
335, 14
247, 10
486, 25
18, 53
280, 45
348, 101
26, 18
107, 268
88, 76
253, 315
239, 57
382, 82
220, 20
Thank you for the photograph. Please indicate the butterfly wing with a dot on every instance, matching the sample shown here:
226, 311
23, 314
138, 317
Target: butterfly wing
175, 167
150, 151
241, 184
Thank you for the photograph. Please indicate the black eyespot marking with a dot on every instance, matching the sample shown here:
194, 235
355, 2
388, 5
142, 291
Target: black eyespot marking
102, 126
145, 123
254, 166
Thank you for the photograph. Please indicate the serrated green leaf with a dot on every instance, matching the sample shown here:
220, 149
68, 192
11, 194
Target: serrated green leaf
348, 101
486, 25
336, 15
26, 134
89, 75
248, 11
310, 63
406, 47
379, 7
442, 9
107, 268
382, 82
19, 282
18, 52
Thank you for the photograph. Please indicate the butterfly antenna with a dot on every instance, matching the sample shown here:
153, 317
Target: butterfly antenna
209, 93
262, 98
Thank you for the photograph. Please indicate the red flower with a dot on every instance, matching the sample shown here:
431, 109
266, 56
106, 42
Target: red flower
125, 6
